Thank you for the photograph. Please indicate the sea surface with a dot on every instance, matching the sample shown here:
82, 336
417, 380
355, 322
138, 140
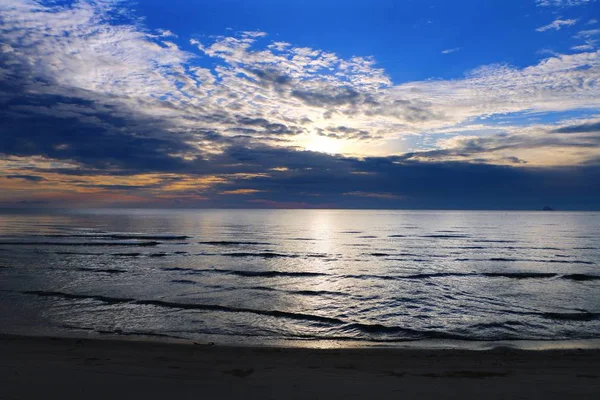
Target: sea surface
302, 276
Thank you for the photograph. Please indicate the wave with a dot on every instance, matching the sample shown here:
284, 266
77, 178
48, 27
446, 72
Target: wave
91, 244
269, 274
510, 275
119, 332
117, 236
510, 324
162, 254
299, 292
494, 241
158, 254
234, 243
190, 306
377, 254
437, 275
148, 237
106, 270
264, 274
582, 277
581, 316
520, 275
71, 296
181, 269
408, 333
369, 276
456, 236
503, 259
184, 281
317, 293
427, 275
378, 328
76, 253
414, 334
261, 255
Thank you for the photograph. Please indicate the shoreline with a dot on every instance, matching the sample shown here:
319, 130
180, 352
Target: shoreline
325, 344
32, 367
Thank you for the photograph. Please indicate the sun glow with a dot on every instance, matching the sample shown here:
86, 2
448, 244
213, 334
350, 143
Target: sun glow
324, 144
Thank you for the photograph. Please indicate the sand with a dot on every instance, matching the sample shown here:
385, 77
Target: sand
65, 368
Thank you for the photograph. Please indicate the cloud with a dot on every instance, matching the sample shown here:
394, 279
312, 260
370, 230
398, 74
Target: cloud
563, 3
583, 47
123, 67
449, 51
384, 196
166, 33
30, 178
112, 109
557, 24
541, 145
240, 191
591, 37
581, 128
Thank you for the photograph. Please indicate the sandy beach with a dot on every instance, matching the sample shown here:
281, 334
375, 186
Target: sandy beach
66, 368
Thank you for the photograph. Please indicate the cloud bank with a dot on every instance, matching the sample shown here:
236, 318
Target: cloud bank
95, 106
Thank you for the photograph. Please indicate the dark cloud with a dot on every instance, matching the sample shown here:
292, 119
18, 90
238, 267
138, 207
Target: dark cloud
39, 118
337, 96
30, 178
319, 179
268, 127
582, 128
271, 78
96, 139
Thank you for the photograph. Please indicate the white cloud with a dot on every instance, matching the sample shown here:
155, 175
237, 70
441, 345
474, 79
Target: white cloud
588, 34
449, 51
590, 37
583, 47
166, 33
557, 24
563, 3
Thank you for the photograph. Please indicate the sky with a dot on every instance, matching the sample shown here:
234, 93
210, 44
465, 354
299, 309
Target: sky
425, 104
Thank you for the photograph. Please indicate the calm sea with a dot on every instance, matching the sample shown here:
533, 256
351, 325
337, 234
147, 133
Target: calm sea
271, 276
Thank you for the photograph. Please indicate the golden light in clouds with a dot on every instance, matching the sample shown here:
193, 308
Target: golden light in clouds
241, 191
323, 144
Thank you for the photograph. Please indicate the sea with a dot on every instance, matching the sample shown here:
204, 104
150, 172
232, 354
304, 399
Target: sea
326, 278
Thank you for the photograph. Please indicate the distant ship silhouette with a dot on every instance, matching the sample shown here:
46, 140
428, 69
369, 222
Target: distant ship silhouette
547, 208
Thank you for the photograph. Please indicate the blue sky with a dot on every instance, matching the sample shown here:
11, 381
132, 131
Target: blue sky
401, 104
406, 38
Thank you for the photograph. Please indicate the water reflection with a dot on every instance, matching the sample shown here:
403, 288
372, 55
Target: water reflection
327, 274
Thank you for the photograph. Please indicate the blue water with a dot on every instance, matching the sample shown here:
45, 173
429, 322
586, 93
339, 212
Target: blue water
266, 276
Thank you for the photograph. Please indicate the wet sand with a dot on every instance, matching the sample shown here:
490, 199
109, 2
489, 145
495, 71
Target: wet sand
65, 368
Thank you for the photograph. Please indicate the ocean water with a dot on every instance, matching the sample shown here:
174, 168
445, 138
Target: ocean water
272, 276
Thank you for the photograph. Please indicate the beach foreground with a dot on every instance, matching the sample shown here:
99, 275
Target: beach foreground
64, 368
